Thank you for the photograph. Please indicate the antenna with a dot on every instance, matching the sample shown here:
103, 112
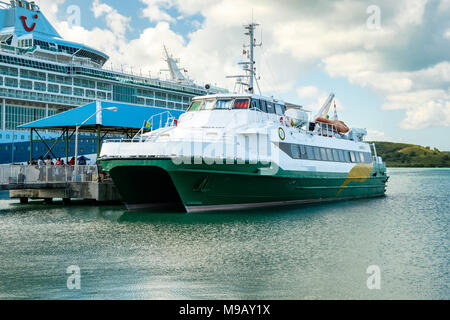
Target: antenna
249, 66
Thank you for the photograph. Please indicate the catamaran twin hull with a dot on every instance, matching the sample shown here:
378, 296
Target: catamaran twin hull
154, 183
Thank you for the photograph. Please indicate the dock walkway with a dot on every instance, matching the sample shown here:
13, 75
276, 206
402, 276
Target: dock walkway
56, 182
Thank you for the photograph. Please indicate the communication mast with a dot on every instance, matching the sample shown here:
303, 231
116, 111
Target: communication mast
249, 65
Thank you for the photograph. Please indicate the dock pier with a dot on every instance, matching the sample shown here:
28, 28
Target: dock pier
56, 182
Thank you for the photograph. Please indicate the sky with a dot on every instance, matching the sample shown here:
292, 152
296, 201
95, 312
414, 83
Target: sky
388, 62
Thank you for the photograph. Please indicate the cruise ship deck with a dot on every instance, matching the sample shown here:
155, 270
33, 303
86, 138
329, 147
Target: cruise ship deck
42, 74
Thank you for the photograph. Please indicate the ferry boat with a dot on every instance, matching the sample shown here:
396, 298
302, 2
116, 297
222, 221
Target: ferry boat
244, 150
42, 74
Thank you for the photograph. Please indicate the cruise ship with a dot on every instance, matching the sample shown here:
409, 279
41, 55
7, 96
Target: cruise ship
245, 150
41, 74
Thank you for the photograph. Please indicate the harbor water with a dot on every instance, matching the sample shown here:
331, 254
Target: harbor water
307, 252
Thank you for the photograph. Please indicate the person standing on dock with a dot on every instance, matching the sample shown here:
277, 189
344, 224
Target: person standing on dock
40, 165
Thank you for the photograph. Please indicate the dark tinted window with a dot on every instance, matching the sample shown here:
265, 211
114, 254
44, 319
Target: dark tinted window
347, 156
323, 154
279, 109
341, 156
270, 107
241, 104
335, 155
329, 155
263, 105
223, 104
303, 152
295, 151
317, 153
310, 152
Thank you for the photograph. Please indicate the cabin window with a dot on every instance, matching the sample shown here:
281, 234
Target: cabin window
254, 105
295, 152
352, 156
263, 105
347, 156
368, 157
329, 155
362, 157
209, 105
195, 106
279, 109
223, 104
241, 104
335, 155
357, 157
323, 154
317, 153
310, 152
303, 152
341, 156
270, 107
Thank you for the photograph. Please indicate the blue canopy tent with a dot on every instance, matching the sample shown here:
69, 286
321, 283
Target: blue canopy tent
103, 118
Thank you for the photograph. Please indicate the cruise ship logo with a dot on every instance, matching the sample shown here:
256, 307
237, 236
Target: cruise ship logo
24, 21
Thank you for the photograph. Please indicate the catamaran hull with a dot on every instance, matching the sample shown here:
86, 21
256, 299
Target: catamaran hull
153, 184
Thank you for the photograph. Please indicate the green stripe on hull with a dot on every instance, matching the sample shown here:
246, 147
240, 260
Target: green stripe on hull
194, 186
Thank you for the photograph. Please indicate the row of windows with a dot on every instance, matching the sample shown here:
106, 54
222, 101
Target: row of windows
33, 64
90, 72
35, 75
8, 71
306, 152
90, 96
84, 83
44, 149
26, 43
44, 97
53, 88
59, 79
17, 115
98, 73
262, 105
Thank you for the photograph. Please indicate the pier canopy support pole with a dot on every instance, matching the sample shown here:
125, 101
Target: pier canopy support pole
98, 141
67, 146
31, 145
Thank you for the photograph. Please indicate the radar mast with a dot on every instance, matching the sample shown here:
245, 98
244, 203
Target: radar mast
249, 65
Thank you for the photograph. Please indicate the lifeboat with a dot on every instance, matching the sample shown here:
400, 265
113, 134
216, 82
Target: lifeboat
340, 126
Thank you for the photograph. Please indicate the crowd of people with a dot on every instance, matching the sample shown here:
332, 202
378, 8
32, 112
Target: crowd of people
41, 162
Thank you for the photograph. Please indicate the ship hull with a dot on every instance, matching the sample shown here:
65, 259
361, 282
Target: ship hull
204, 187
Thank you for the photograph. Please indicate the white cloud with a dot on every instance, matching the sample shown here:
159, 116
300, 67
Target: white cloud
312, 98
156, 10
375, 135
118, 23
426, 108
397, 62
447, 34
308, 92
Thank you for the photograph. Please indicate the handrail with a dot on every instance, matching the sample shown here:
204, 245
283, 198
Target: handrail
169, 123
33, 174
